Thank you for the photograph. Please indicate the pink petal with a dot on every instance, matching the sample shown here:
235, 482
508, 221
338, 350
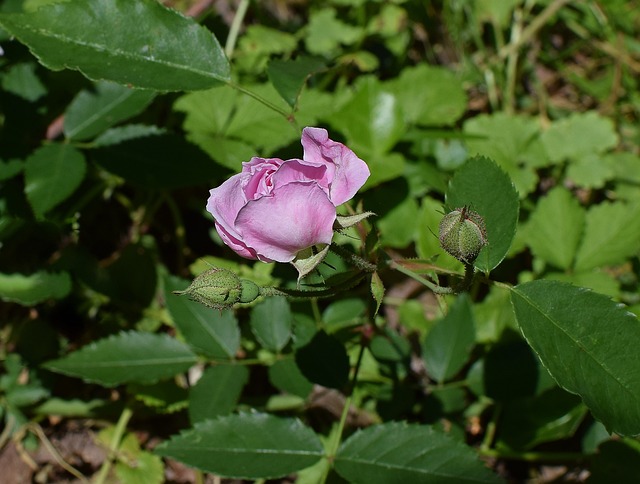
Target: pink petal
224, 203
259, 172
295, 217
300, 171
346, 172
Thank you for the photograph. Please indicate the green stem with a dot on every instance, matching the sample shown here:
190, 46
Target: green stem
118, 433
353, 259
337, 437
309, 293
407, 272
262, 100
230, 45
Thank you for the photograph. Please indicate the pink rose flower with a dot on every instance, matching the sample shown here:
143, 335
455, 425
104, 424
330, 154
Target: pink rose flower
275, 208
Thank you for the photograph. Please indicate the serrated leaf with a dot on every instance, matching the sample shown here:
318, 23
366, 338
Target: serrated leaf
611, 235
578, 136
93, 112
288, 77
555, 228
31, 289
52, 174
448, 345
128, 357
208, 331
482, 186
249, 446
429, 96
271, 322
512, 142
285, 375
217, 392
397, 452
123, 41
377, 290
589, 345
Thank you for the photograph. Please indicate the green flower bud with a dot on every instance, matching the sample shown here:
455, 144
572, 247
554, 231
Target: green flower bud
463, 234
221, 289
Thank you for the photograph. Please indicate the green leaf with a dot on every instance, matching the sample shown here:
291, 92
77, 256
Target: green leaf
128, 357
52, 173
217, 391
325, 32
93, 112
161, 161
208, 331
139, 43
611, 235
555, 228
324, 361
377, 290
512, 142
448, 345
397, 452
21, 80
551, 416
286, 376
34, 288
371, 120
249, 446
589, 345
343, 313
617, 462
271, 322
579, 136
288, 77
481, 185
140, 468
11, 168
429, 96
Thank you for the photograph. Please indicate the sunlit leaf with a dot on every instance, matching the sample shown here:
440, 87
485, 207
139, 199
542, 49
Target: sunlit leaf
122, 41
589, 345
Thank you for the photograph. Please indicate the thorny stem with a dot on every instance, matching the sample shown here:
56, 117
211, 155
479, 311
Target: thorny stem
353, 259
118, 433
308, 293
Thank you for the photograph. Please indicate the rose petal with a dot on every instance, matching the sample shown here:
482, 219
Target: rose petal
224, 203
259, 172
238, 246
299, 171
347, 173
297, 216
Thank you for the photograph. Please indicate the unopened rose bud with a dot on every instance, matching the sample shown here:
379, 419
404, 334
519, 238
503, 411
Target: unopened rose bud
221, 289
463, 234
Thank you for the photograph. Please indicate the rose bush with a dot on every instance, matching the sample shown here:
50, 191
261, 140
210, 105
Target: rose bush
275, 208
